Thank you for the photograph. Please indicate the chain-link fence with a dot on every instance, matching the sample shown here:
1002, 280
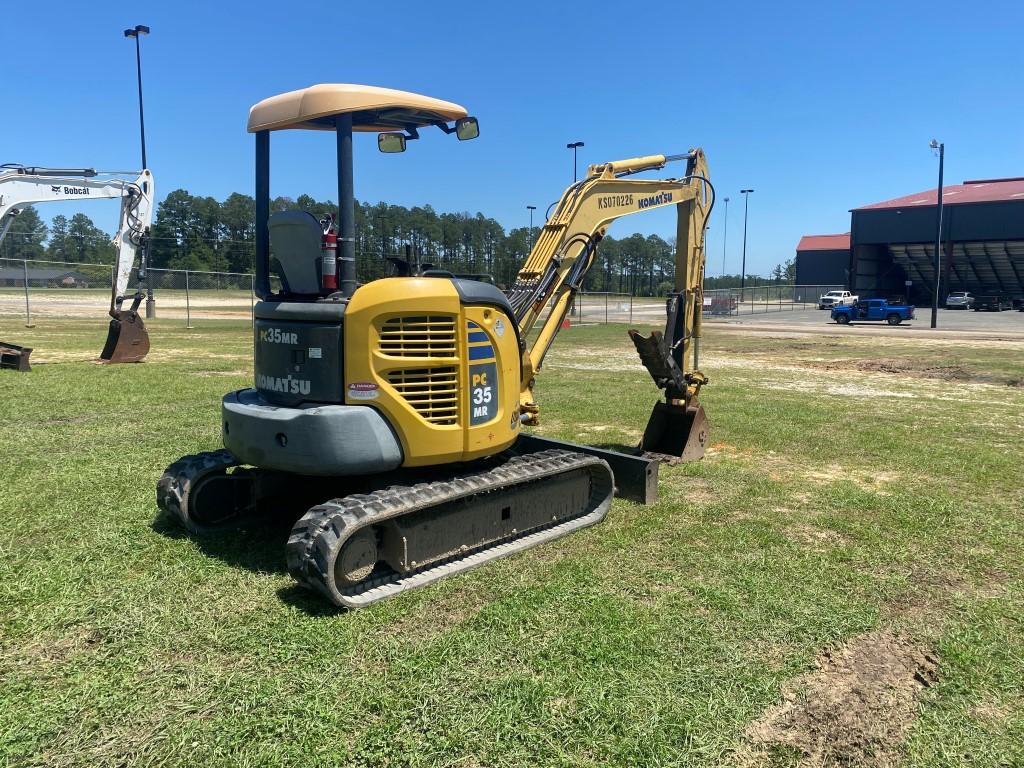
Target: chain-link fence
726, 302
598, 307
38, 289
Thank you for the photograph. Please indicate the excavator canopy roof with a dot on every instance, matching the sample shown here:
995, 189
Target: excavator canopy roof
373, 109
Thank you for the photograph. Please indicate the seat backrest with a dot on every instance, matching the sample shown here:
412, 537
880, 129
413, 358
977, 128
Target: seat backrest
295, 238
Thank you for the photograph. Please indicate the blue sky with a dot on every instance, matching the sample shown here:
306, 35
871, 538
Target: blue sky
818, 106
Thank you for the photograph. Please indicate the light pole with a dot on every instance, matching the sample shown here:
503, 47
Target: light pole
725, 233
136, 32
743, 271
531, 209
574, 146
938, 231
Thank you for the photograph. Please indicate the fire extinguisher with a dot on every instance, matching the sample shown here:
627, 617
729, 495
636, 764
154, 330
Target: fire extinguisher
329, 256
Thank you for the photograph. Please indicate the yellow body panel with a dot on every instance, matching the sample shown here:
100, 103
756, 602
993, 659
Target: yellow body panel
444, 375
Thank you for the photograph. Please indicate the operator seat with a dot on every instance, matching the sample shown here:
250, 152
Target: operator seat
295, 238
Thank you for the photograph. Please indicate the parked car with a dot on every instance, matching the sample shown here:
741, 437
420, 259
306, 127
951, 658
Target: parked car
873, 310
959, 300
992, 303
720, 305
836, 299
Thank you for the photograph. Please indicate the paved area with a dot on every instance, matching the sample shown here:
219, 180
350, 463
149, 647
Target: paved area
950, 322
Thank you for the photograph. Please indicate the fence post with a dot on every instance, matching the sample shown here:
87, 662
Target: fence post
188, 304
28, 309
631, 308
606, 308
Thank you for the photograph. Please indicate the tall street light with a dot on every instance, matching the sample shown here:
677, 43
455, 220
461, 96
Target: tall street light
725, 233
136, 32
531, 209
574, 146
938, 231
743, 271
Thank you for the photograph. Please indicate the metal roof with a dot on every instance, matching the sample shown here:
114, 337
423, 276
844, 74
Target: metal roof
824, 242
977, 191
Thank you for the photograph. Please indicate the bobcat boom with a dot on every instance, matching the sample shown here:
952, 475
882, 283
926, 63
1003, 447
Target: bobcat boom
127, 338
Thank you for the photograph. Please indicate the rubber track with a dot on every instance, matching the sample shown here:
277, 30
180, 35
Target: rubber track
181, 477
319, 536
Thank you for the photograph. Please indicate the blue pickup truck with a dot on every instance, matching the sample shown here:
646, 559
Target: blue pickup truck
873, 309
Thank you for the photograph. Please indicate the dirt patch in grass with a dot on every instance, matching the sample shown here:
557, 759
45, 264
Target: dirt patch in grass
931, 593
815, 538
221, 373
54, 649
901, 366
855, 709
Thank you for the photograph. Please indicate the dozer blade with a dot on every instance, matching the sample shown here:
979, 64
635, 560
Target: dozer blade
14, 357
676, 432
127, 339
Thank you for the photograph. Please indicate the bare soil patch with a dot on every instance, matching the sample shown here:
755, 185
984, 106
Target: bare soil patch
855, 709
240, 372
899, 366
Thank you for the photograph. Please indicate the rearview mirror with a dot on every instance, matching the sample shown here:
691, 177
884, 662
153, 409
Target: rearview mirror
467, 128
391, 142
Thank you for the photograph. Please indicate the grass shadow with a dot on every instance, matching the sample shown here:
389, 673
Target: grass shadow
309, 602
258, 546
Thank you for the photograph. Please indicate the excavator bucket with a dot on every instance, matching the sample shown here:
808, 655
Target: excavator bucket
678, 428
676, 432
127, 338
14, 357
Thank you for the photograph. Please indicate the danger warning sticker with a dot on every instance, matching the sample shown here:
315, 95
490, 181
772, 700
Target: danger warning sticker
363, 390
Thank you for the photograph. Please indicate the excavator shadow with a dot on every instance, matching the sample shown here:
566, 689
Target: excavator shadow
258, 547
308, 602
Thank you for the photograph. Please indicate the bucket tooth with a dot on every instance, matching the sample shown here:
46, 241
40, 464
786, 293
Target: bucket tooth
127, 339
676, 432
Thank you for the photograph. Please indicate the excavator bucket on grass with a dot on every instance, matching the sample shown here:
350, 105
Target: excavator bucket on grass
676, 432
127, 338
678, 428
14, 357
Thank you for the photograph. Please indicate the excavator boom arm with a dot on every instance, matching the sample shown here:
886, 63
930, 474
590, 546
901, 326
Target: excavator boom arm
566, 248
127, 338
24, 186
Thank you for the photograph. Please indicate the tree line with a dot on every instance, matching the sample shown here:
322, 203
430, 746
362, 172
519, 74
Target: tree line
192, 232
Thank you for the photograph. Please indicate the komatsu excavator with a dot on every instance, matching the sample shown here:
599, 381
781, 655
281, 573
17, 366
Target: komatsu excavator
395, 410
127, 338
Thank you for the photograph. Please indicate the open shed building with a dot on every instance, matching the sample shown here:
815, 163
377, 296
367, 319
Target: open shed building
823, 260
893, 242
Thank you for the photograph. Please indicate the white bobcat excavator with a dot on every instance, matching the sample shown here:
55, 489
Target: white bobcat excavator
127, 339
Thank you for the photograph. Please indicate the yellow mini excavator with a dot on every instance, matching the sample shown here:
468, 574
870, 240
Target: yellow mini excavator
393, 412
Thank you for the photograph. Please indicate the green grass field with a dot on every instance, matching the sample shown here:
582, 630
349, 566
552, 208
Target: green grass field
839, 582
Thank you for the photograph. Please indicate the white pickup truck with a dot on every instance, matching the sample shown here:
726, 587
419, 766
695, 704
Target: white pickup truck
837, 299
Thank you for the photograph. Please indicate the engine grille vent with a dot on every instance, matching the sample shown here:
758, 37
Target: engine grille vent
422, 336
432, 392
